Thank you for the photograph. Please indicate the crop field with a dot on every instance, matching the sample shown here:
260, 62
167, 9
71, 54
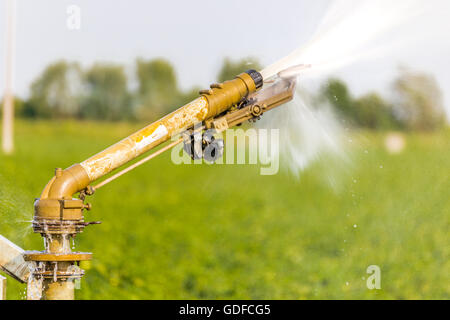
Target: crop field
225, 231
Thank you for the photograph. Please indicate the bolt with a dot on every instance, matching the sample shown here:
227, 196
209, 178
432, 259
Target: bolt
256, 110
58, 172
90, 190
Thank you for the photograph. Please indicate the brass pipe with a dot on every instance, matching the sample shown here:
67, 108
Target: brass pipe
59, 290
218, 99
68, 182
212, 102
2, 288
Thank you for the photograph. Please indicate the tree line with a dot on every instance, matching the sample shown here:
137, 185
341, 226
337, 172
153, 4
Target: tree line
103, 92
416, 104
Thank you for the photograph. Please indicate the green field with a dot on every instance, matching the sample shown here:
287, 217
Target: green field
216, 232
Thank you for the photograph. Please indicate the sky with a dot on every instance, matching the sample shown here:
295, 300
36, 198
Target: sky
196, 35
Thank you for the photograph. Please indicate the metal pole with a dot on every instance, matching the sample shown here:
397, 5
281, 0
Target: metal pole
2, 288
8, 105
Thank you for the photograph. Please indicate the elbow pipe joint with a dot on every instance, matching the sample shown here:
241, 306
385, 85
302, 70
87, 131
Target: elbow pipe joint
56, 202
68, 182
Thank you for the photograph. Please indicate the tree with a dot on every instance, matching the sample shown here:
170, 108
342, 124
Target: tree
158, 91
372, 111
369, 111
337, 94
230, 69
56, 92
19, 106
106, 95
419, 102
189, 96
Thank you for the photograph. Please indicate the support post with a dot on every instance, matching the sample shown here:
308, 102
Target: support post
8, 103
2, 288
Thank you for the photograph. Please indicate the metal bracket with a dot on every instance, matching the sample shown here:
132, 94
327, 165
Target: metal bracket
12, 261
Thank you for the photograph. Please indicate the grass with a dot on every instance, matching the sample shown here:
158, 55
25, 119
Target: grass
216, 232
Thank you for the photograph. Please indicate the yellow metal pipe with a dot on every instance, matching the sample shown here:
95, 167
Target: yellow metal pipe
213, 102
59, 290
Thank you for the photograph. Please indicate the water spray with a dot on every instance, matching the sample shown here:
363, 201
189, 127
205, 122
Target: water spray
59, 211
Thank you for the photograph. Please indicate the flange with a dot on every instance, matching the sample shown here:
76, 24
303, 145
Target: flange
40, 256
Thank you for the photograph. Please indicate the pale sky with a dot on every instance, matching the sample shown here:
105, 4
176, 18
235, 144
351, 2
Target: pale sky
196, 35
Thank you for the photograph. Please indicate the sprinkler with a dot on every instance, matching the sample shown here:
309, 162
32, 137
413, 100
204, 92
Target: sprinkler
59, 211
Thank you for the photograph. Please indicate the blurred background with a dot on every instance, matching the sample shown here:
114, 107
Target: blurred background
85, 74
